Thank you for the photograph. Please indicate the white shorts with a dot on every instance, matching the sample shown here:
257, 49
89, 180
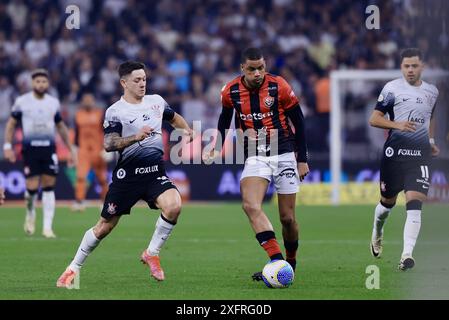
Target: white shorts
282, 167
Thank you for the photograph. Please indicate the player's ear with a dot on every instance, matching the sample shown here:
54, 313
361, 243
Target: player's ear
123, 83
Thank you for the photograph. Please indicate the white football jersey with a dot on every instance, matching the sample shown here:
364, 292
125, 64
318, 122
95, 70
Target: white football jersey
127, 119
38, 118
404, 102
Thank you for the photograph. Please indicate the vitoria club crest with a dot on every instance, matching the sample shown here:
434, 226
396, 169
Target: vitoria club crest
269, 101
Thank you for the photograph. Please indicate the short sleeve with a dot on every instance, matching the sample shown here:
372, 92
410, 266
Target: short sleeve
58, 117
112, 122
168, 113
287, 96
225, 97
16, 110
385, 101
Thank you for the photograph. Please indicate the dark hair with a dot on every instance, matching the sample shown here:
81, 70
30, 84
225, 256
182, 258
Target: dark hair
39, 73
127, 67
251, 54
411, 52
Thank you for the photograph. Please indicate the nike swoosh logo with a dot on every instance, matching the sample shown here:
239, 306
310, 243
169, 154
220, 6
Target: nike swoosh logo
406, 99
424, 187
131, 121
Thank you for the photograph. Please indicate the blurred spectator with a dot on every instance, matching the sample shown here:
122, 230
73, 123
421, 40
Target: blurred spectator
37, 47
18, 12
108, 79
179, 69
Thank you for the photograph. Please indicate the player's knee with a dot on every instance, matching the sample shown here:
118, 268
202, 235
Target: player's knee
288, 220
80, 179
172, 210
251, 207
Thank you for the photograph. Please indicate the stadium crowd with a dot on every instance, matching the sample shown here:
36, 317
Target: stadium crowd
192, 48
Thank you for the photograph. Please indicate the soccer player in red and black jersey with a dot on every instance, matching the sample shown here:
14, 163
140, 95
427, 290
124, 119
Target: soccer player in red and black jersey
263, 104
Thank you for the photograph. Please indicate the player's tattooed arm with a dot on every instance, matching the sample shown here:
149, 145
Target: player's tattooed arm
114, 142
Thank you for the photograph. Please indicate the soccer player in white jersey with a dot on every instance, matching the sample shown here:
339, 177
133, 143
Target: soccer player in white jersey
38, 113
410, 104
132, 126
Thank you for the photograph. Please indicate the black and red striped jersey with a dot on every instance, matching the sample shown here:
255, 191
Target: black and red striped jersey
263, 110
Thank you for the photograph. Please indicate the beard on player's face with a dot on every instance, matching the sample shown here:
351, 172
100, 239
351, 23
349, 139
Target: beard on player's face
40, 91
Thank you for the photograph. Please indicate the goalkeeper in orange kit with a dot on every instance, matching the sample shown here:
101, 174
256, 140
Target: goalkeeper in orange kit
89, 139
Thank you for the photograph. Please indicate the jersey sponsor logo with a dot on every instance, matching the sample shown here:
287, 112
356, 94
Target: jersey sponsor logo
121, 173
409, 152
145, 170
256, 116
423, 181
417, 120
164, 180
40, 143
112, 208
269, 101
288, 173
389, 152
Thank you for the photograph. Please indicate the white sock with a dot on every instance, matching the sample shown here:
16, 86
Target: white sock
88, 244
381, 213
411, 231
48, 204
30, 200
160, 235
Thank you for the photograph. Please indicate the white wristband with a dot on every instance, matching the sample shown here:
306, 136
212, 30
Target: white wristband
432, 141
7, 146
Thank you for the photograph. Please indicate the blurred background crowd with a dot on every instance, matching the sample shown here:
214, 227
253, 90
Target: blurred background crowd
192, 47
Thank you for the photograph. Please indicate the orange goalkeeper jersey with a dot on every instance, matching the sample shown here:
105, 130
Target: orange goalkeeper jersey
89, 129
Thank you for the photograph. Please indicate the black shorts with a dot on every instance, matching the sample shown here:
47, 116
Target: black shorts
396, 176
122, 196
40, 160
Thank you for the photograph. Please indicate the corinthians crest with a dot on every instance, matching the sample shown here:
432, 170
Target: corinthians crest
112, 208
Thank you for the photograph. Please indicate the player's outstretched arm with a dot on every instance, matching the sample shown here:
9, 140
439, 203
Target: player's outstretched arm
114, 142
9, 133
64, 133
378, 120
178, 122
224, 123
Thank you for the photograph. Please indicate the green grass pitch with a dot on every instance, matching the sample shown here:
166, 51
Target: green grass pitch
213, 253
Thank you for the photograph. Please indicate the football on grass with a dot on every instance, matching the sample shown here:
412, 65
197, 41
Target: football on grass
278, 274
